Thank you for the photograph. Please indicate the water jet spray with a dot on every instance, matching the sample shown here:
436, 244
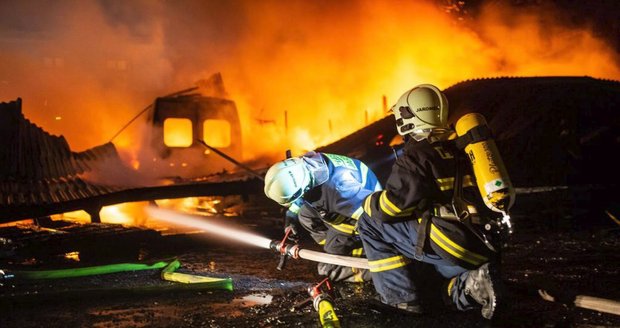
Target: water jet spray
281, 247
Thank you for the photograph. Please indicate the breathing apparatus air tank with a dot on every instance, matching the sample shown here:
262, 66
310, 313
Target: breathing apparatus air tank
491, 175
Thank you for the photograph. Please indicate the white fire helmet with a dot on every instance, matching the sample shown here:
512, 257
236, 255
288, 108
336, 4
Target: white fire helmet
420, 110
287, 180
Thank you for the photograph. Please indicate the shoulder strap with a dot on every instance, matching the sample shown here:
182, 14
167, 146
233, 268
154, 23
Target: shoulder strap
458, 202
422, 230
476, 134
459, 205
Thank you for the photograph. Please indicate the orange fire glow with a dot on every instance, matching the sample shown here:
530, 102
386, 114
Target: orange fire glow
216, 133
134, 214
325, 63
178, 132
127, 214
302, 73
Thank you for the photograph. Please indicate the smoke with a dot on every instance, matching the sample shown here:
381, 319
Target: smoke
79, 72
85, 68
537, 41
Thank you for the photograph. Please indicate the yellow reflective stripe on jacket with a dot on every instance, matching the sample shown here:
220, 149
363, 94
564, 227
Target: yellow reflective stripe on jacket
357, 252
448, 183
356, 215
364, 169
338, 219
390, 209
450, 285
367, 205
345, 228
389, 263
457, 251
387, 206
294, 208
322, 242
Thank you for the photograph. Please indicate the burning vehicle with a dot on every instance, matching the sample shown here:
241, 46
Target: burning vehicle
185, 129
189, 140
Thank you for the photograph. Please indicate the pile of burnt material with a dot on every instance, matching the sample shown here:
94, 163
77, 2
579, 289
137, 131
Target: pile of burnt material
51, 243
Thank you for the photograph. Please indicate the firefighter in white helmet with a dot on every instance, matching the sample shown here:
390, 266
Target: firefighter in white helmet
324, 193
413, 219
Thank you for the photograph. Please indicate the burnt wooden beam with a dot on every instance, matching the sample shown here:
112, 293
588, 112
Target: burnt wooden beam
90, 204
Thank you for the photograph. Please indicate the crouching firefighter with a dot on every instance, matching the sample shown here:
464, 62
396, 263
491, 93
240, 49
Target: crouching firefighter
324, 194
431, 210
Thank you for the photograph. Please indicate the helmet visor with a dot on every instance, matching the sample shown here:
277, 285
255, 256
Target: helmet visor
407, 113
295, 197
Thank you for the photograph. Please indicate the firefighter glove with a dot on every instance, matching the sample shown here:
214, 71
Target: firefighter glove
290, 224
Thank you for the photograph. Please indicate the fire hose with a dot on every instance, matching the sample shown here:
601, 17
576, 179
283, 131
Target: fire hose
294, 251
81, 272
168, 273
322, 303
321, 298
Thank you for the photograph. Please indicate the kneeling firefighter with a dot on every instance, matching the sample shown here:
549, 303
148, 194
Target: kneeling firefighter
431, 211
324, 194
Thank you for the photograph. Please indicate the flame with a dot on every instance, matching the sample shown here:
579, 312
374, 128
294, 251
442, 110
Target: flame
129, 214
303, 74
206, 206
178, 132
388, 47
217, 133
73, 256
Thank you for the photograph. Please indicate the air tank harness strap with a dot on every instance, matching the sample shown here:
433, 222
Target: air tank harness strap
459, 203
423, 228
476, 134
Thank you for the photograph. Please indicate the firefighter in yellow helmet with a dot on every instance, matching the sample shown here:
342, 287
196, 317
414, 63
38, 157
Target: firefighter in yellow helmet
414, 217
324, 193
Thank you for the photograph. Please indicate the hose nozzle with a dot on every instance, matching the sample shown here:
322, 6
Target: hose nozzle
285, 250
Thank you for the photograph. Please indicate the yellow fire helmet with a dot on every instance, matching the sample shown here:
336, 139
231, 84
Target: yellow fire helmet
287, 180
421, 110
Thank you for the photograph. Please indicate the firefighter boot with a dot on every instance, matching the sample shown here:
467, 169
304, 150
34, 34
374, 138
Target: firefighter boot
410, 307
413, 307
483, 286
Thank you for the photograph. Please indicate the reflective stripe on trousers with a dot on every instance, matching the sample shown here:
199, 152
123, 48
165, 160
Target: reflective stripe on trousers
390, 250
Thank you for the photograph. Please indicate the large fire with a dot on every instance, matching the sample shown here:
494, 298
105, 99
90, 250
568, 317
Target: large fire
302, 73
326, 64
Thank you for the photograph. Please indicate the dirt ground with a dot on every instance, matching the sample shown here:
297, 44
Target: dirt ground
566, 247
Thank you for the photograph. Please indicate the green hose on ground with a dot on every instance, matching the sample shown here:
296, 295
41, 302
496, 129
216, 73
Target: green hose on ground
88, 271
168, 273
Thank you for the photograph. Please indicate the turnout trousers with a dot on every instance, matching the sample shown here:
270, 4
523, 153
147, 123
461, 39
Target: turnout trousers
390, 249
